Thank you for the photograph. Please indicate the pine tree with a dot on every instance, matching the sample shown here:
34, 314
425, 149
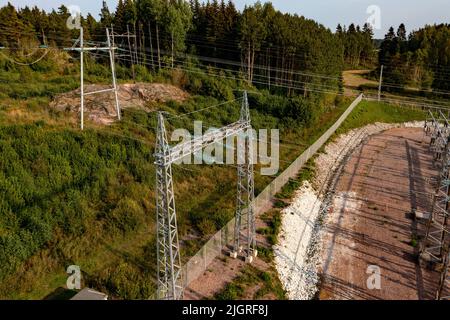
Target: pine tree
253, 32
11, 27
106, 18
119, 18
401, 33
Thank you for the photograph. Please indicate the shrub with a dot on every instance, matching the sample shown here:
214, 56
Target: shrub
45, 65
179, 78
207, 227
230, 292
127, 216
142, 74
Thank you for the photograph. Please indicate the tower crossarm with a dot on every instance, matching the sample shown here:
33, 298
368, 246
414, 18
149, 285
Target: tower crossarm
197, 144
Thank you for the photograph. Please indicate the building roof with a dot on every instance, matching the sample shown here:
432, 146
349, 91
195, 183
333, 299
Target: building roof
89, 294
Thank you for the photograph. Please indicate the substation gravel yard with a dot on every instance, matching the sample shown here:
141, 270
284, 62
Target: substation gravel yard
299, 253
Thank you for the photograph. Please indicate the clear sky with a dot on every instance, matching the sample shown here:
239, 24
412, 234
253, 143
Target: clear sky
414, 13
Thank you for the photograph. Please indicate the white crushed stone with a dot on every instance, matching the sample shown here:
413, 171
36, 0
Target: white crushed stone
298, 255
298, 222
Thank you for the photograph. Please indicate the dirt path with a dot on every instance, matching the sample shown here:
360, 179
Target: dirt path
355, 78
370, 223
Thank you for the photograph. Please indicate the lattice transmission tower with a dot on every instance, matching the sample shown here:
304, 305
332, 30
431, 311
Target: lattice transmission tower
169, 271
244, 228
435, 246
168, 249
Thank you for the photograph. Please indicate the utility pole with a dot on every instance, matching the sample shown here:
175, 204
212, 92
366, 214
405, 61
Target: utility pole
381, 81
113, 71
151, 44
82, 78
168, 250
131, 52
83, 49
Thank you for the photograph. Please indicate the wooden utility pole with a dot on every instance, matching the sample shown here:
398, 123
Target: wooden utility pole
381, 82
131, 53
157, 42
172, 48
151, 44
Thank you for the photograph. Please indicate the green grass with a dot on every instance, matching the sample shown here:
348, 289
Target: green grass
414, 242
251, 276
368, 112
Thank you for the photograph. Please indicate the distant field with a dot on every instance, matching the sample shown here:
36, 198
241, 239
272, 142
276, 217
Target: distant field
355, 79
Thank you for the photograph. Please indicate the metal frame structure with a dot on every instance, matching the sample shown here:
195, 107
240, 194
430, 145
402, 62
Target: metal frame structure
82, 49
131, 44
168, 251
245, 234
435, 247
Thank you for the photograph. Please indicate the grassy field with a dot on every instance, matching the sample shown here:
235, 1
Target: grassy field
368, 112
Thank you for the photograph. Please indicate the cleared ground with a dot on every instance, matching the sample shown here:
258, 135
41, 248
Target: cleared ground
225, 270
371, 221
355, 78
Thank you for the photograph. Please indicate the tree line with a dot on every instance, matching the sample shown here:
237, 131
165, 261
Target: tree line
261, 44
420, 59
358, 43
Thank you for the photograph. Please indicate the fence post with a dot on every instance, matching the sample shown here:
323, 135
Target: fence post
220, 242
204, 256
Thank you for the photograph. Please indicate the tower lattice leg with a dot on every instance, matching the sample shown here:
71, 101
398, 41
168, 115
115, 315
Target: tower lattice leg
168, 251
245, 230
435, 247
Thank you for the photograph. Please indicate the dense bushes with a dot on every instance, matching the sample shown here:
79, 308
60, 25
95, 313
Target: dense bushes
67, 180
299, 109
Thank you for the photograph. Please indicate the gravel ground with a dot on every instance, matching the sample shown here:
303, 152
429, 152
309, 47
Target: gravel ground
298, 253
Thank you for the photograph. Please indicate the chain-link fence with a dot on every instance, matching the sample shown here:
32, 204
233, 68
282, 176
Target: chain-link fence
216, 246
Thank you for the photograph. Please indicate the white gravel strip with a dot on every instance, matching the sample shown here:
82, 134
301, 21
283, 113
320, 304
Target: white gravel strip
298, 222
298, 253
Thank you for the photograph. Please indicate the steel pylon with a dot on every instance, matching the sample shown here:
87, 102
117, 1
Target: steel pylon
437, 232
169, 275
168, 251
435, 247
244, 229
443, 292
